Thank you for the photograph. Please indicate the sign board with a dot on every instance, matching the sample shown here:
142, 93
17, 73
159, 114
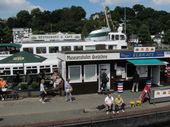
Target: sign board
87, 57
144, 49
162, 93
131, 54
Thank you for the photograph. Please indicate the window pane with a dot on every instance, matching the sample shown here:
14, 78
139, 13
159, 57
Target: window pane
74, 73
90, 47
78, 48
66, 48
40, 50
28, 50
53, 49
90, 73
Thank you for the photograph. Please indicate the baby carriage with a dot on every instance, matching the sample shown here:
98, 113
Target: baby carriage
145, 95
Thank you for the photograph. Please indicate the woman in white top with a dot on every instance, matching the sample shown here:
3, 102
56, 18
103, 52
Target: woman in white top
42, 91
109, 103
68, 90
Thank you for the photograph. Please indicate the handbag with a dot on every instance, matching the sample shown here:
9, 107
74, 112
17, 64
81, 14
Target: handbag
68, 90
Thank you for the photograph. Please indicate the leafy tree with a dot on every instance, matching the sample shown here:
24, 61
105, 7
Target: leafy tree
23, 18
7, 35
35, 12
167, 37
12, 22
138, 8
144, 34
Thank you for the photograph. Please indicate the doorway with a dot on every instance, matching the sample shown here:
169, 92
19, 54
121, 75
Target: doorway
104, 68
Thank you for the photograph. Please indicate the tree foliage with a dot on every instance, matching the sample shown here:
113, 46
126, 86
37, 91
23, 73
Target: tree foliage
167, 37
140, 20
144, 34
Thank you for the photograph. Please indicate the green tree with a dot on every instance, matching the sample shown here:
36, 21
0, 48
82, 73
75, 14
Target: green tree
138, 8
37, 21
167, 37
24, 18
7, 34
144, 34
12, 22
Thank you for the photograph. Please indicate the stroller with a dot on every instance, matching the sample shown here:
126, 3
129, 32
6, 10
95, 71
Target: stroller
145, 95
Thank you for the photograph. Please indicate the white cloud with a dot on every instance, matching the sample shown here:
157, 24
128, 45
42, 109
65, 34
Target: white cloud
11, 7
161, 2
94, 1
112, 2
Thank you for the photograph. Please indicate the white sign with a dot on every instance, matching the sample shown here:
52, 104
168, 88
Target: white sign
144, 49
162, 93
167, 54
87, 57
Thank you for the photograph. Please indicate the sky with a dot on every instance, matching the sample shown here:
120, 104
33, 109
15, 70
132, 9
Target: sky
9, 8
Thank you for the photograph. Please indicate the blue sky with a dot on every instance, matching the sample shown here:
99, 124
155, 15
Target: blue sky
10, 8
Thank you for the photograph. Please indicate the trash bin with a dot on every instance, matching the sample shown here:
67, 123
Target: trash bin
120, 87
148, 82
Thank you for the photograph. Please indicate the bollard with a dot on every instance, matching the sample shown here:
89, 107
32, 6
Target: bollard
132, 103
138, 103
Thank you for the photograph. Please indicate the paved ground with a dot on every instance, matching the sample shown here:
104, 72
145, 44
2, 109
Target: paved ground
31, 111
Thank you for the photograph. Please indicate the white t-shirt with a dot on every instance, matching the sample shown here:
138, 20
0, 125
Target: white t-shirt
109, 100
42, 87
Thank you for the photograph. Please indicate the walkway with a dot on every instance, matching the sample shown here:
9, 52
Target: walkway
30, 111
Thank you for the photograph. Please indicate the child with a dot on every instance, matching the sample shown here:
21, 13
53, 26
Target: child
42, 91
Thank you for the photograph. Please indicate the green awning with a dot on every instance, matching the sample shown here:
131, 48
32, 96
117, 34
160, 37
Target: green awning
10, 45
147, 62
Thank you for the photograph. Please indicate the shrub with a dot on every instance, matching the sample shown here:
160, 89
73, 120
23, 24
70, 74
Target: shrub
23, 86
34, 85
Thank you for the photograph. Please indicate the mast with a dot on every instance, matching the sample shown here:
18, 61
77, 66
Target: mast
106, 16
125, 20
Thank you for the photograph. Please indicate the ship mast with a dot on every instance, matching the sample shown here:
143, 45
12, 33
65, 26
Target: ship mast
106, 16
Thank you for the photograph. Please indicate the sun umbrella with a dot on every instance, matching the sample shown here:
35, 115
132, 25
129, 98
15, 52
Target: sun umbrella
22, 57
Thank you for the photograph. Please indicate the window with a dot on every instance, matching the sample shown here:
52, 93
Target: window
66, 48
111, 47
117, 37
90, 73
40, 50
28, 50
122, 37
123, 47
78, 48
113, 37
90, 47
74, 73
53, 49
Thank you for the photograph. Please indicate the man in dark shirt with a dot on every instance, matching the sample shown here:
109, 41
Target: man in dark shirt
104, 80
135, 81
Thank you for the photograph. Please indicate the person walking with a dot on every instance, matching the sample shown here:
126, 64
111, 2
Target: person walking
68, 90
135, 82
104, 80
43, 92
109, 103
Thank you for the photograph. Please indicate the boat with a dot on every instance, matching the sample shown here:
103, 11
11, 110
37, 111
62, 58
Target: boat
48, 45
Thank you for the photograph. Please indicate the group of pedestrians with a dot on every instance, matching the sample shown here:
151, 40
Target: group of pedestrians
59, 84
114, 105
